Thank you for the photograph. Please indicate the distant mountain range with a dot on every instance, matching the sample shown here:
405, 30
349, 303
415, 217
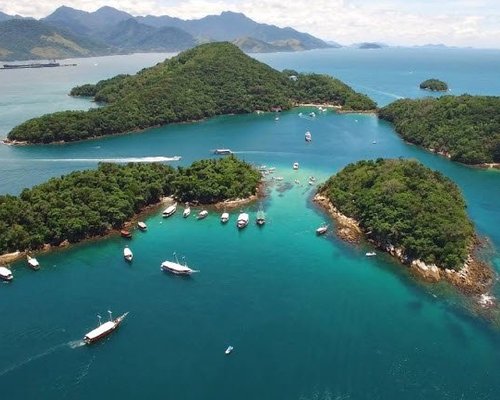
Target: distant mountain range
69, 32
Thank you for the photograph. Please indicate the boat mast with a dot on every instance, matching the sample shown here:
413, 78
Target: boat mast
99, 319
110, 315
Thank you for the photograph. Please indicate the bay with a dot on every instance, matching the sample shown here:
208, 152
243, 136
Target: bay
309, 317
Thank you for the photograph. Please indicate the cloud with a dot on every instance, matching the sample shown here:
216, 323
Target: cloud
454, 22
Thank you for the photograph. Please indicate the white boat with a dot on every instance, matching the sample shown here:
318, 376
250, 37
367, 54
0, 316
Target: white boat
127, 254
33, 263
229, 350
374, 142
224, 217
202, 214
186, 211
223, 152
170, 210
322, 229
142, 226
308, 136
242, 221
370, 254
6, 274
176, 268
295, 165
103, 330
312, 114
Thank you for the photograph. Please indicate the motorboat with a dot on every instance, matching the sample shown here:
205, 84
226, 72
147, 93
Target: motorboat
176, 268
242, 221
187, 211
33, 263
229, 350
6, 274
322, 229
261, 217
126, 234
105, 329
308, 136
170, 210
223, 152
224, 217
202, 214
295, 165
127, 254
142, 226
370, 254
312, 114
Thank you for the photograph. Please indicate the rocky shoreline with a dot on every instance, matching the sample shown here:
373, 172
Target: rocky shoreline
474, 279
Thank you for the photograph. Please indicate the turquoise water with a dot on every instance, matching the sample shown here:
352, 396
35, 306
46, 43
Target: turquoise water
309, 317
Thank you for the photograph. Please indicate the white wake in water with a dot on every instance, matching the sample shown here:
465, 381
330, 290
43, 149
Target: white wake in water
75, 344
110, 160
393, 95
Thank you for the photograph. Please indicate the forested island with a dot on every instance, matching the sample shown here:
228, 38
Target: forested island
434, 85
416, 214
464, 128
91, 203
211, 79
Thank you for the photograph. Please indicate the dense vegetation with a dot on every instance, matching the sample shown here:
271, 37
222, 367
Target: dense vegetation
406, 205
211, 79
89, 203
467, 128
434, 85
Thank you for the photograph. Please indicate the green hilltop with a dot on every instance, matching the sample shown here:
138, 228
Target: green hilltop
208, 80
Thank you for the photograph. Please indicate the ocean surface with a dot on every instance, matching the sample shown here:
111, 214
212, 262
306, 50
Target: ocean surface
309, 317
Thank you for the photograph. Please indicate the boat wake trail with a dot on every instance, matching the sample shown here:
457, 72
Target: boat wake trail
266, 152
389, 94
74, 344
109, 160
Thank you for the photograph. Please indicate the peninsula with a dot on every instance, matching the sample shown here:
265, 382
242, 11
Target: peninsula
91, 203
434, 85
209, 80
414, 213
463, 128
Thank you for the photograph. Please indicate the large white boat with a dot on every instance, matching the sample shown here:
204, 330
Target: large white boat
105, 329
187, 211
308, 136
176, 268
6, 274
242, 221
33, 263
127, 254
224, 217
170, 210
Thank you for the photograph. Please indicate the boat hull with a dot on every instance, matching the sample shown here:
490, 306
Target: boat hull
7, 278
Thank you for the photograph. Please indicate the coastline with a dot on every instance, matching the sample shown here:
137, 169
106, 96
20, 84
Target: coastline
474, 279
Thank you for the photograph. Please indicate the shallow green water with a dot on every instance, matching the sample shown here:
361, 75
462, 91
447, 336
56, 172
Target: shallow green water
309, 317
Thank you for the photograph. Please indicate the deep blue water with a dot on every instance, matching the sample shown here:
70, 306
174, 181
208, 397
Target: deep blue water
309, 317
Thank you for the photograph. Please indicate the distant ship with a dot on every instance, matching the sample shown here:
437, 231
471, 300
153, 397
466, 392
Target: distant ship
223, 152
105, 329
36, 65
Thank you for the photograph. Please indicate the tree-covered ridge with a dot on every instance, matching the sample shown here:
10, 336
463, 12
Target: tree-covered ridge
89, 203
434, 85
467, 128
209, 80
407, 205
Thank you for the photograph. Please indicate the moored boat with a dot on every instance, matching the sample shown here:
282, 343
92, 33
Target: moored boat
170, 210
261, 217
370, 254
242, 221
308, 136
295, 165
142, 226
202, 214
33, 263
229, 350
127, 254
105, 329
322, 229
6, 274
187, 211
176, 268
126, 234
223, 152
224, 217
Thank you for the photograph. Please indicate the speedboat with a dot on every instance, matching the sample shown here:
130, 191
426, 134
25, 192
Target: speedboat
224, 217
223, 152
308, 136
202, 214
370, 254
33, 263
322, 229
229, 350
243, 219
170, 210
176, 268
6, 274
186, 211
295, 165
142, 226
127, 254
105, 329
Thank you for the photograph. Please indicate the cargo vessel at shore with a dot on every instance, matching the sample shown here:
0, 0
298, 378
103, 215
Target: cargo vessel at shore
105, 329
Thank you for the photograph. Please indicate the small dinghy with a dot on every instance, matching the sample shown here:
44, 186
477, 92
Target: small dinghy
322, 230
370, 254
229, 350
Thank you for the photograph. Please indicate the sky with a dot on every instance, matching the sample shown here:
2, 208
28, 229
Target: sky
473, 23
